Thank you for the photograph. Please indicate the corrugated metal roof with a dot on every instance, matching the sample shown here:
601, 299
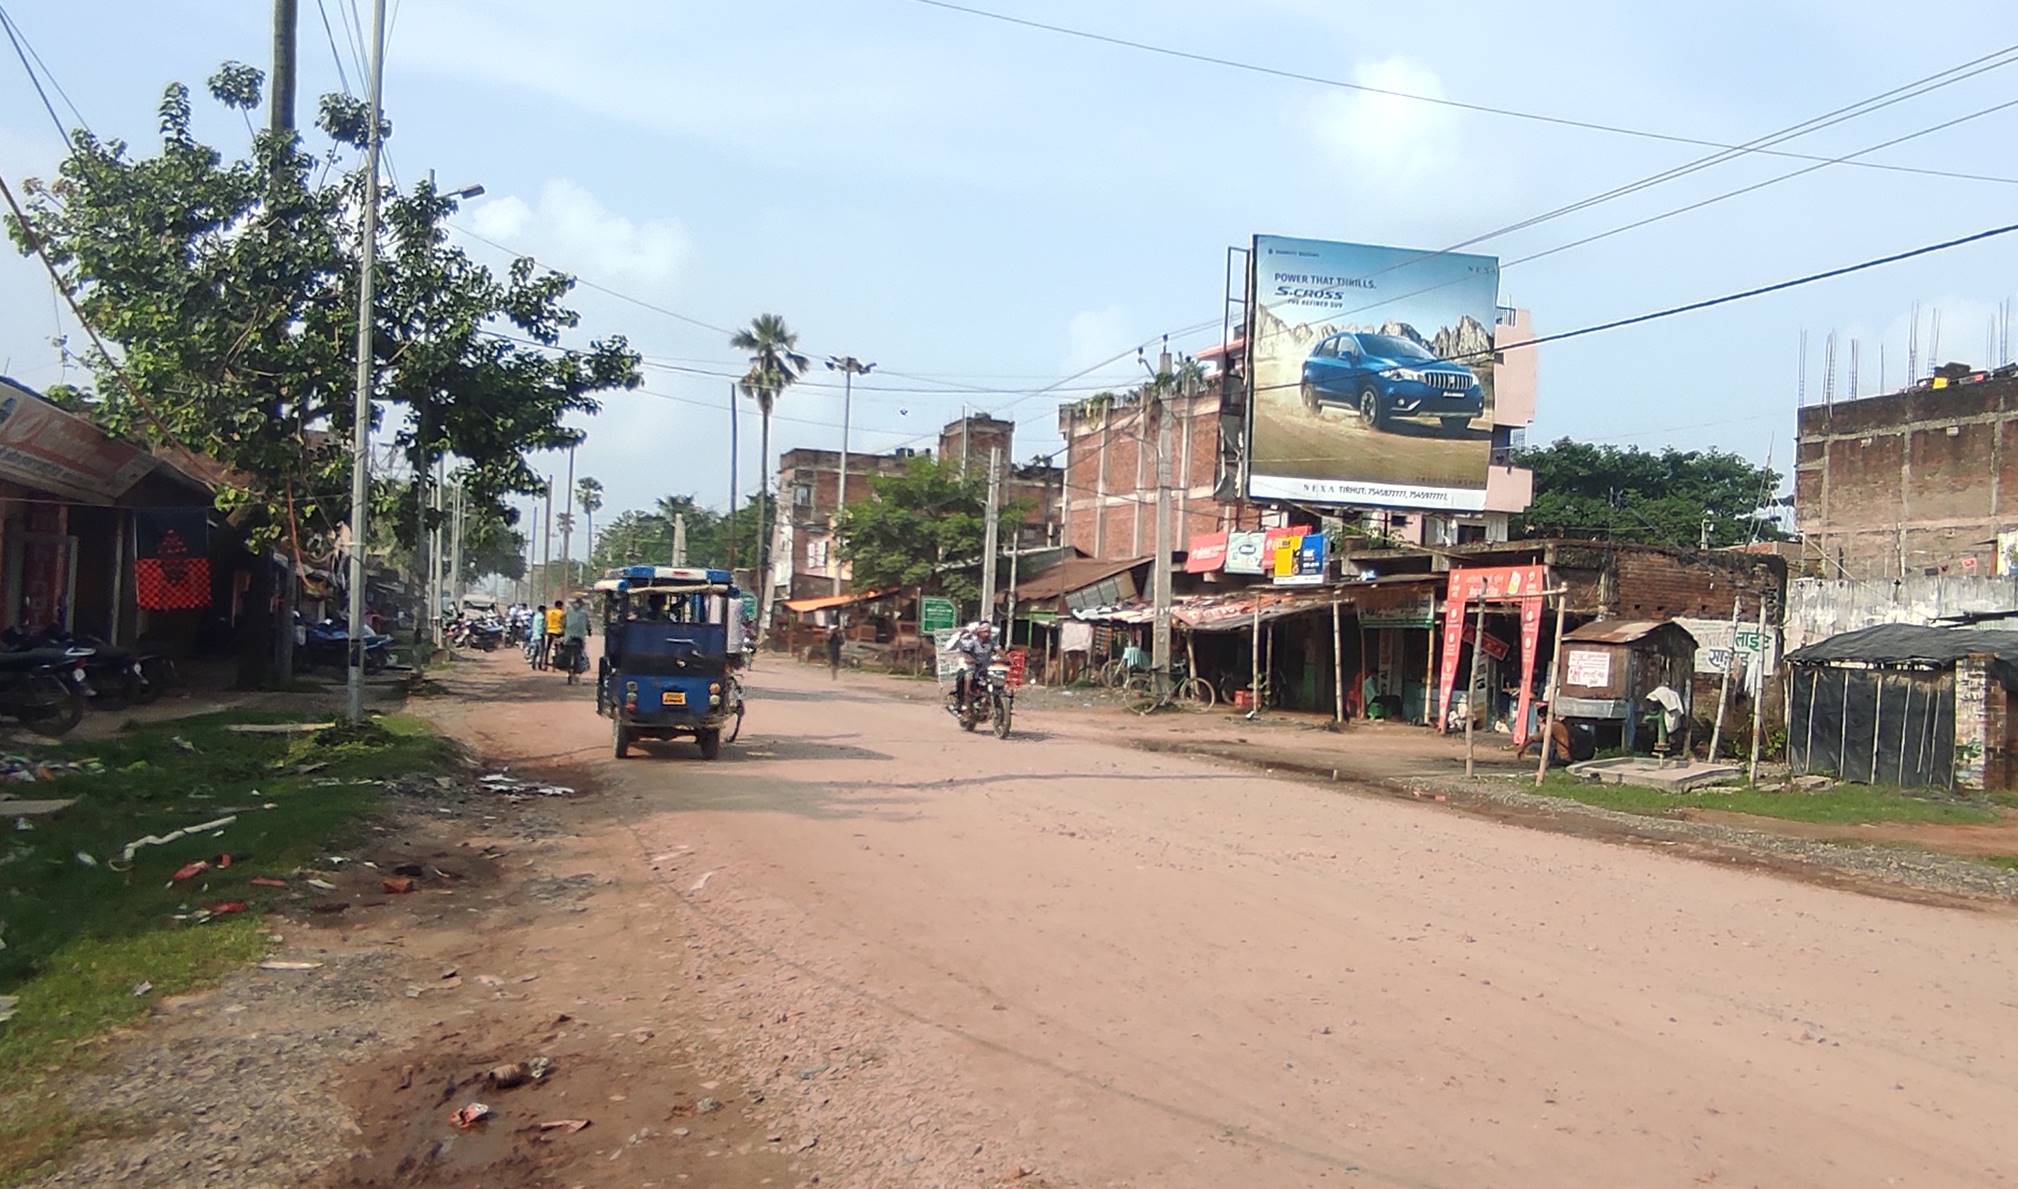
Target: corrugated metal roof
1075, 574
1623, 631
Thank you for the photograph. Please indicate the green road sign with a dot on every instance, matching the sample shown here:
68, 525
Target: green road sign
749, 606
936, 613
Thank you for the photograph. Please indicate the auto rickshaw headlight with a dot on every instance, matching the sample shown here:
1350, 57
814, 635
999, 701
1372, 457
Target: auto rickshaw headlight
630, 687
714, 687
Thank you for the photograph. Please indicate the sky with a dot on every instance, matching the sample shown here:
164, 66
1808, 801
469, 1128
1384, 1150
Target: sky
997, 216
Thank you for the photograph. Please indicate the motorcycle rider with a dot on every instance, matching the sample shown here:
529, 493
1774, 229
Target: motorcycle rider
976, 646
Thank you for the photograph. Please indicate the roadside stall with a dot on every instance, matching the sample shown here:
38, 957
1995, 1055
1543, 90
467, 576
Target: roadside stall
1613, 673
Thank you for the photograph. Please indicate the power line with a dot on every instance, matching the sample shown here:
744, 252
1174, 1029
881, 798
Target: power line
1862, 107
20, 38
329, 34
1726, 299
13, 35
1480, 108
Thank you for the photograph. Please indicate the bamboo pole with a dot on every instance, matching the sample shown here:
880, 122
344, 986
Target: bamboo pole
1555, 687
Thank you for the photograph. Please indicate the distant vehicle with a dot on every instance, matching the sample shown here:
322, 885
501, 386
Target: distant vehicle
1384, 376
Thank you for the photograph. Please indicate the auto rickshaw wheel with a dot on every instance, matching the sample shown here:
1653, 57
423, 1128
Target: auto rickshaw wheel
710, 743
622, 738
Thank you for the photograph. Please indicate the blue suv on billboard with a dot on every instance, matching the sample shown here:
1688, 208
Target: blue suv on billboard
1384, 376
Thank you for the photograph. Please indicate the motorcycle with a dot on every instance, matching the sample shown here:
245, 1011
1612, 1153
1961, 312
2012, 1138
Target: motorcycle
327, 644
989, 700
483, 634
112, 675
44, 688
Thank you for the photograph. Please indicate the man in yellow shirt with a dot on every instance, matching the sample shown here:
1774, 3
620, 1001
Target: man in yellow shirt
556, 616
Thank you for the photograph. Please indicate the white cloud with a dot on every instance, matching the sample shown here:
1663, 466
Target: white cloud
571, 227
1385, 141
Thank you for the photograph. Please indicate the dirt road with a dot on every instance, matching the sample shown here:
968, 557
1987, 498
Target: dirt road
955, 960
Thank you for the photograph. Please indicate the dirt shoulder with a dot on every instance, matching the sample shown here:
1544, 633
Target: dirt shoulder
1918, 862
339, 1059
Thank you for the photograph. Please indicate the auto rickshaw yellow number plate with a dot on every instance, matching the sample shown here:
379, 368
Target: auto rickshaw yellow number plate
673, 697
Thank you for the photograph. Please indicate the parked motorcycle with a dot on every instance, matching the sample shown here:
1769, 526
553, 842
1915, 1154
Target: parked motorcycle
112, 675
989, 700
43, 688
327, 644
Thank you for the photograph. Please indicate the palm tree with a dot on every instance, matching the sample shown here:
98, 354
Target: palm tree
774, 367
589, 497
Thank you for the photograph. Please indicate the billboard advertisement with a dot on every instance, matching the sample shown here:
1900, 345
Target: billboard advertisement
1372, 374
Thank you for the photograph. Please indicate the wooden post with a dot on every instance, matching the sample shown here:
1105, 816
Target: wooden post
1724, 683
1843, 734
1429, 673
1758, 696
1554, 687
1191, 656
1471, 689
1337, 670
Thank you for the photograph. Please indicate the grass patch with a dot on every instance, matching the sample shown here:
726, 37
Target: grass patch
81, 935
1848, 805
2007, 862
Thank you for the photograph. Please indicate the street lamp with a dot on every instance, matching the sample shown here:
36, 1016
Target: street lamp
849, 367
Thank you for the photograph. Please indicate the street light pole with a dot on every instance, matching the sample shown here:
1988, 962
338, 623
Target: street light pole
849, 367
360, 462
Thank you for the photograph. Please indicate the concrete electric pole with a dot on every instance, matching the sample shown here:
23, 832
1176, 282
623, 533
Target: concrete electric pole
568, 523
360, 459
849, 367
1159, 570
991, 533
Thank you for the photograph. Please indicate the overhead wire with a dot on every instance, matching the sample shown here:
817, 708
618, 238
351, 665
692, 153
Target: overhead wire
1414, 97
329, 34
14, 35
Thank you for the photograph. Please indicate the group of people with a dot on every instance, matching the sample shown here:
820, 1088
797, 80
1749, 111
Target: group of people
555, 636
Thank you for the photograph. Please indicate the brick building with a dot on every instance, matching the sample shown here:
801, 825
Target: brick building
803, 560
1918, 482
1110, 462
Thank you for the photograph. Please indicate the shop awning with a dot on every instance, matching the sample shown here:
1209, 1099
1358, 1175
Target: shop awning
1236, 610
829, 602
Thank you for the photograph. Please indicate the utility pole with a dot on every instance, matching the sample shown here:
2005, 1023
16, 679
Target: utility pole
679, 538
568, 522
1159, 570
547, 545
286, 20
731, 525
991, 533
455, 551
360, 459
849, 367
433, 541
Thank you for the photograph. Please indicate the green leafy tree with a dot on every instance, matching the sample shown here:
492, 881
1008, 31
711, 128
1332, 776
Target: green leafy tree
646, 537
1667, 498
775, 365
923, 528
227, 287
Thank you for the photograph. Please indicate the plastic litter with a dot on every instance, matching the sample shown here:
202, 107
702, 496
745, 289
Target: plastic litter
499, 782
504, 1077
175, 835
189, 871
225, 908
267, 881
284, 964
7, 1004
469, 1116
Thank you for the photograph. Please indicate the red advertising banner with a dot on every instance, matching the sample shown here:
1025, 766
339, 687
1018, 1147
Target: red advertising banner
1499, 584
1206, 555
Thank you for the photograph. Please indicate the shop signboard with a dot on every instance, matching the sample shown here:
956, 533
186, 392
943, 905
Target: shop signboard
936, 613
1295, 557
1206, 554
1717, 646
1244, 552
1588, 669
1401, 609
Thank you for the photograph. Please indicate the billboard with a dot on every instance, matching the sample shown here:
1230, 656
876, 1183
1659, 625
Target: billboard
1372, 374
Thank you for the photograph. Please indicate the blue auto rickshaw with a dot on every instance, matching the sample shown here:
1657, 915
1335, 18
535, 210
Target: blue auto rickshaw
672, 646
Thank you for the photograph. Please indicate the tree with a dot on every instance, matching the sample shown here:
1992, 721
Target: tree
1671, 498
228, 291
775, 365
923, 528
646, 537
589, 497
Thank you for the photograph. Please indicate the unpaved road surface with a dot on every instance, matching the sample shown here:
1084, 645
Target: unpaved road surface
944, 959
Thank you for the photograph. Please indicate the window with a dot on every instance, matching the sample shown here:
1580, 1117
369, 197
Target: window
1471, 534
802, 496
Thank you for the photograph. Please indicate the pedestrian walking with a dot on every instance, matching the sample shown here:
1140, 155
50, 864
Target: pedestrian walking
835, 638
